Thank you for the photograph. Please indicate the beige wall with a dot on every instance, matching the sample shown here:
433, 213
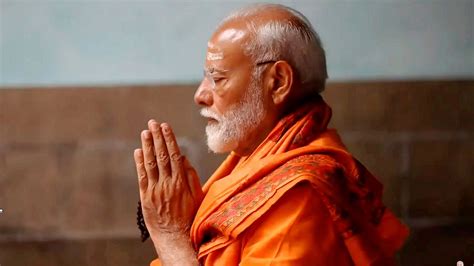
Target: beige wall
68, 186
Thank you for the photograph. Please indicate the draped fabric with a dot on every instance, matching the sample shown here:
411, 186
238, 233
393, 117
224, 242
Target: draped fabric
299, 150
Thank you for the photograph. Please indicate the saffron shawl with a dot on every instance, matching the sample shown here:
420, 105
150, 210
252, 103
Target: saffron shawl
299, 149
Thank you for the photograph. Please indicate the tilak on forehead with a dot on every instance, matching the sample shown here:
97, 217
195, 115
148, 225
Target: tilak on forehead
232, 35
215, 56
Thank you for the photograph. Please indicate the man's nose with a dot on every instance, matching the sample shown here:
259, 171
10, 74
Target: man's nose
203, 95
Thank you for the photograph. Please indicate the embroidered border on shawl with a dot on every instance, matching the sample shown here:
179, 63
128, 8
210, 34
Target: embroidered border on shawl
237, 208
244, 202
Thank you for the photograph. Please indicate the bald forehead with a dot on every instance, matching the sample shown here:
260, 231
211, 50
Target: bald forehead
234, 31
226, 44
232, 34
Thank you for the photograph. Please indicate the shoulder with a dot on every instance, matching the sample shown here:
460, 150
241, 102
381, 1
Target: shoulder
309, 164
296, 176
290, 185
304, 167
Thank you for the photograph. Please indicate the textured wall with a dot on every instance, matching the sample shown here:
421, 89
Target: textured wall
91, 42
68, 186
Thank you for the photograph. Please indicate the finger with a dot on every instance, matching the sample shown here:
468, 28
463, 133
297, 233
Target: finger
193, 179
149, 158
161, 151
141, 172
176, 162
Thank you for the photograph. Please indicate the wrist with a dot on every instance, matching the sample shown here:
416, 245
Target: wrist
175, 248
170, 237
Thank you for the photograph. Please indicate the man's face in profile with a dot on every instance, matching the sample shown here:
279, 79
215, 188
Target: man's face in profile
230, 93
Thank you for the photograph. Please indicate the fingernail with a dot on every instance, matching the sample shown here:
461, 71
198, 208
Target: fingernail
137, 152
154, 126
146, 134
165, 128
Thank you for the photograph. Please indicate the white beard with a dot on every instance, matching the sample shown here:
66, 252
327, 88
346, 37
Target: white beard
240, 119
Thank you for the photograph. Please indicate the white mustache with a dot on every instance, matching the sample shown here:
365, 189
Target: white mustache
205, 112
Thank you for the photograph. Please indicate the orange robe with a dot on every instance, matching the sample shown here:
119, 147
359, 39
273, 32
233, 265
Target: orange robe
299, 199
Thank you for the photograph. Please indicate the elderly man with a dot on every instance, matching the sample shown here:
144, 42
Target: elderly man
289, 193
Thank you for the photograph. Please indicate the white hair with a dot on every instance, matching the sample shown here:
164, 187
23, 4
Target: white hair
293, 40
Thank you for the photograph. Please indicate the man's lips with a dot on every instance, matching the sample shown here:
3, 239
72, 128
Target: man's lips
210, 116
211, 120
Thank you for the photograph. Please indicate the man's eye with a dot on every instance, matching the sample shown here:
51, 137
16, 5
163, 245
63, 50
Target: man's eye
217, 79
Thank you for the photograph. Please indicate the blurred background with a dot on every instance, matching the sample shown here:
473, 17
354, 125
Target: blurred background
80, 79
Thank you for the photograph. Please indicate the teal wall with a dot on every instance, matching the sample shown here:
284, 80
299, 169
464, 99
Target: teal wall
116, 42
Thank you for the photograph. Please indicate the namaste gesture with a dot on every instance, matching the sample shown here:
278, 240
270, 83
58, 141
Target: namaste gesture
170, 192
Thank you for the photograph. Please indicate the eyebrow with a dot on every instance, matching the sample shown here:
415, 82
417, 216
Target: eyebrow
213, 70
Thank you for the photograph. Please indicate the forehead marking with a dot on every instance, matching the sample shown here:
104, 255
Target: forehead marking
214, 56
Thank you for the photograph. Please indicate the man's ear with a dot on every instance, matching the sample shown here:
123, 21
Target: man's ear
282, 76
